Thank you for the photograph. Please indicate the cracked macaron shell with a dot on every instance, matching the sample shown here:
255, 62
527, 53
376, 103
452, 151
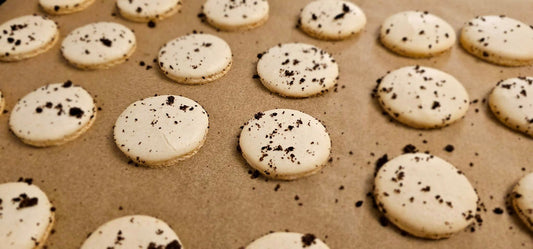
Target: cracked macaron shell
161, 130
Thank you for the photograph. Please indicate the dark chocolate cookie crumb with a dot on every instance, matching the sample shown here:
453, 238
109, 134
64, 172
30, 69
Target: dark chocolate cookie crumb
106, 42
449, 148
380, 162
67, 84
173, 245
409, 149
26, 201
308, 240
76, 112
383, 221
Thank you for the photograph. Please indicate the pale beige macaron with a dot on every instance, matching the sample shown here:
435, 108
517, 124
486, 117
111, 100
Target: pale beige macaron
522, 199
53, 114
499, 39
425, 196
287, 240
232, 15
417, 34
285, 144
162, 130
27, 216
297, 70
511, 101
132, 232
332, 19
147, 10
27, 36
422, 97
195, 58
99, 45
62, 7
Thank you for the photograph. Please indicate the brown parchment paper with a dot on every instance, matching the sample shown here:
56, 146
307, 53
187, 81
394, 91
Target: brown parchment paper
210, 200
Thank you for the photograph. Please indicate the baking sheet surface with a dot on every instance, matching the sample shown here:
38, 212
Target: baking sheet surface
211, 200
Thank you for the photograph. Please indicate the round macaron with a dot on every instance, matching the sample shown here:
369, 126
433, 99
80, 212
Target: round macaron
134, 231
53, 114
287, 240
297, 70
511, 101
231, 15
499, 39
195, 58
522, 199
27, 216
422, 97
147, 10
332, 19
27, 36
416, 34
285, 144
61, 7
162, 130
425, 196
98, 45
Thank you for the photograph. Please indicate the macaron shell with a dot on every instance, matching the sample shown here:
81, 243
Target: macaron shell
61, 7
52, 114
417, 34
232, 15
98, 45
425, 196
297, 70
511, 101
422, 97
285, 144
502, 40
195, 58
522, 198
160, 131
335, 20
287, 240
27, 216
26, 36
146, 10
134, 231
